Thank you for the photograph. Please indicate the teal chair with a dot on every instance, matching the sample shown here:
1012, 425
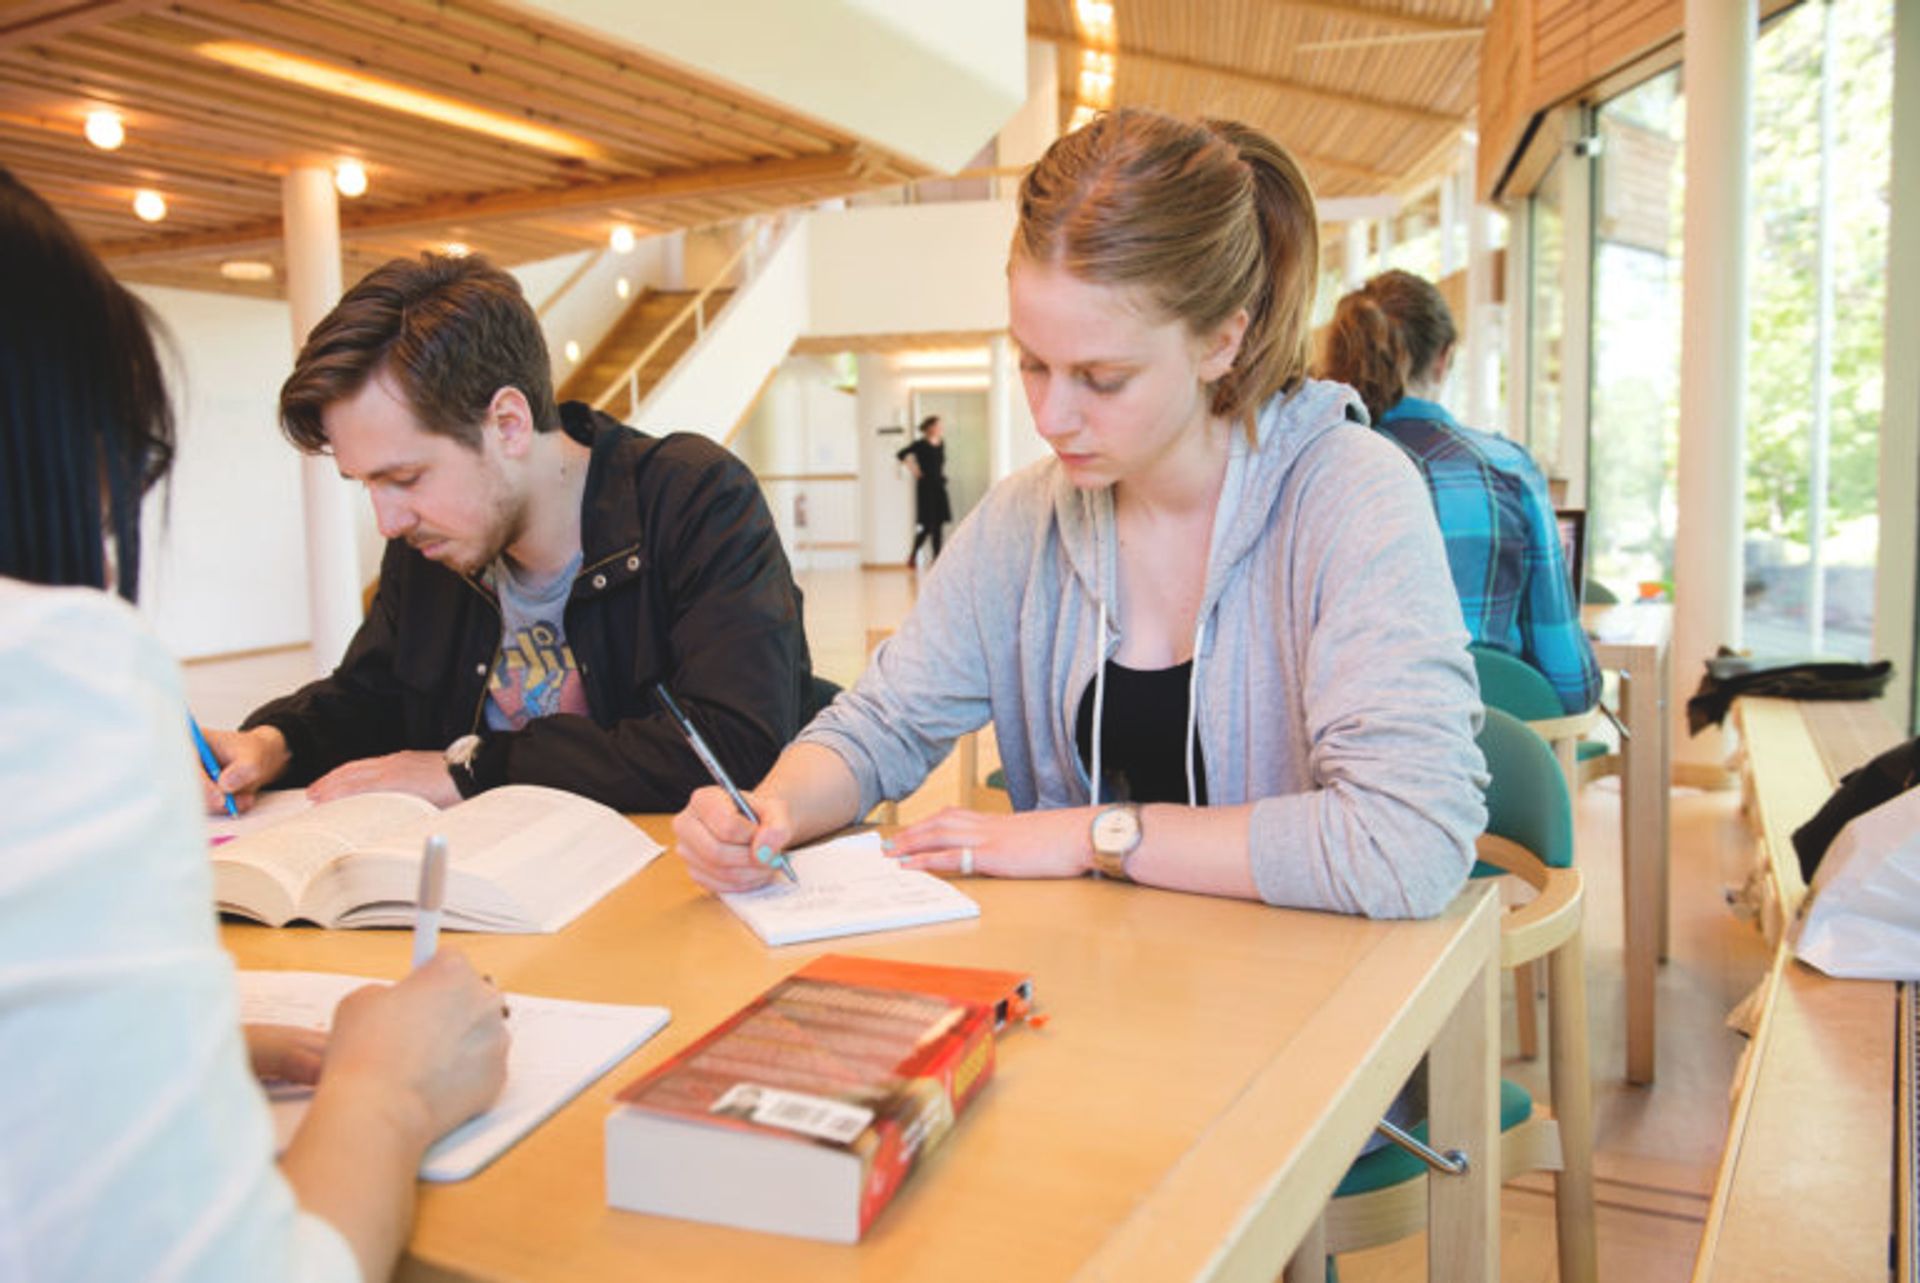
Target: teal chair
1519, 688
1530, 837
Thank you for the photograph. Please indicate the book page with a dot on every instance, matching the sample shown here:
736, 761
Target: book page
559, 1047
519, 858
269, 808
847, 887
294, 850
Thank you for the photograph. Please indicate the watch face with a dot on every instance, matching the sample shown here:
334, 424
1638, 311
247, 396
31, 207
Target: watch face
1116, 830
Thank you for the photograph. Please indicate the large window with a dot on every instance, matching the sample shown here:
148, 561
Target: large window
1635, 407
1816, 272
1817, 306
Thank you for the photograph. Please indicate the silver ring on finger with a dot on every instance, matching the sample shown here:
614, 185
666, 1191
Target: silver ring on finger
966, 861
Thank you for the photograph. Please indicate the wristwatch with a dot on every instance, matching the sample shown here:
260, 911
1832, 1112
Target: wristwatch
1116, 835
459, 757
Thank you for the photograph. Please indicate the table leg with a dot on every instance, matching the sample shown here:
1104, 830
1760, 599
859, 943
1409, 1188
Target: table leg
1643, 788
1463, 1084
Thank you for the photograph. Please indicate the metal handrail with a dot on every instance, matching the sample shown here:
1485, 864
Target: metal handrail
630, 377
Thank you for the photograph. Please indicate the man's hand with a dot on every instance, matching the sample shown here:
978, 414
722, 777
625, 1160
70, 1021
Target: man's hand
249, 761
421, 773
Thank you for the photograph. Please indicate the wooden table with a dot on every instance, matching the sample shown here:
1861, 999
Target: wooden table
1806, 1185
1632, 640
1210, 1069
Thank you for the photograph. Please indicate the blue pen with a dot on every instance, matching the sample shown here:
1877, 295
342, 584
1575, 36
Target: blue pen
777, 859
210, 764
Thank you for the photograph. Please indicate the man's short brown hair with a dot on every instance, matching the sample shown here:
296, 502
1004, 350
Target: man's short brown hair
451, 332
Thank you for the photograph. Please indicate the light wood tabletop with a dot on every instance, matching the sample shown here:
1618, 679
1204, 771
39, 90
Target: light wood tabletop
1208, 1071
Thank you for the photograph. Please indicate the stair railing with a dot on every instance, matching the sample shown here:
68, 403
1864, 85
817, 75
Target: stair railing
694, 312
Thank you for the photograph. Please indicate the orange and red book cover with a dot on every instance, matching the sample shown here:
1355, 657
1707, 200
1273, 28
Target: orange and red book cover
868, 1071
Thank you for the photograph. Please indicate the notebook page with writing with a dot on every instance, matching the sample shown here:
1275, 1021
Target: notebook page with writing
847, 887
559, 1047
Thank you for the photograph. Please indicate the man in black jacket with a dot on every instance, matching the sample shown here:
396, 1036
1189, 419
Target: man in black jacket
545, 566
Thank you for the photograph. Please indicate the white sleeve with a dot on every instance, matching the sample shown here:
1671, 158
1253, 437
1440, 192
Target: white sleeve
134, 1143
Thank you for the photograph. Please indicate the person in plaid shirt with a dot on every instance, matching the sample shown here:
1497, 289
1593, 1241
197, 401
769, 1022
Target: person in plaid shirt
1392, 340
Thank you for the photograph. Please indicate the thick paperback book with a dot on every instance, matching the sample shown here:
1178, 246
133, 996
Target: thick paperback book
803, 1112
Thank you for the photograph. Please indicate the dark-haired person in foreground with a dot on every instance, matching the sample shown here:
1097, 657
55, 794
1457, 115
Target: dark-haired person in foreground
545, 567
133, 1142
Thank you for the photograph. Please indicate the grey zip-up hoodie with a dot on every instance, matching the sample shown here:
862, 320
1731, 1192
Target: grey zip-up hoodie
1333, 685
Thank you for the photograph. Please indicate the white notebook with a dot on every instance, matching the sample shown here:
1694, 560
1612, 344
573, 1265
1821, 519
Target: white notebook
847, 887
559, 1046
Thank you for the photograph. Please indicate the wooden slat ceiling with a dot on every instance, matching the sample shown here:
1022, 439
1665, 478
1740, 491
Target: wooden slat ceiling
664, 149
1371, 97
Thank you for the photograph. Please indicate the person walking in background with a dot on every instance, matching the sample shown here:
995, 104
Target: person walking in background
1392, 341
926, 459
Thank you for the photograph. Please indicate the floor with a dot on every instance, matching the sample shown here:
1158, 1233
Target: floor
1658, 1147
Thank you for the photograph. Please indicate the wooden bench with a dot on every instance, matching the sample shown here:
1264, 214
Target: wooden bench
1805, 1187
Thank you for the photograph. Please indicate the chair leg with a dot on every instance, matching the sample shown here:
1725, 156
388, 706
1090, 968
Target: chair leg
1309, 1261
1526, 1010
1570, 1074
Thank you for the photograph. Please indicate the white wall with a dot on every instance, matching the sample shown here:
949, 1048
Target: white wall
910, 268
224, 556
801, 439
925, 78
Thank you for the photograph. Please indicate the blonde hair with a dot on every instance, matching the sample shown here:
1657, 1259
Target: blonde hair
1385, 335
1205, 218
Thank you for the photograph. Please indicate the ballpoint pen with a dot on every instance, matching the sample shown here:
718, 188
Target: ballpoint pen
210, 764
433, 894
777, 859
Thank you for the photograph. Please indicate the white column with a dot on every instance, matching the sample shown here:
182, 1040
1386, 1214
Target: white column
311, 219
1002, 386
1820, 445
1707, 555
1898, 565
1354, 260
1450, 221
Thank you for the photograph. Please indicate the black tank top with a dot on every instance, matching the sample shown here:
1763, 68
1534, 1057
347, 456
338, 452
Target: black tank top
1142, 736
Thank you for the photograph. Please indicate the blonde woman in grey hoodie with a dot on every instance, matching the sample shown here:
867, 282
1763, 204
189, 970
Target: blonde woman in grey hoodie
1215, 633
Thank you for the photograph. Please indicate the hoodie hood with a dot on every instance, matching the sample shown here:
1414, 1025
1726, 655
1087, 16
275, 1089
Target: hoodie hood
1256, 477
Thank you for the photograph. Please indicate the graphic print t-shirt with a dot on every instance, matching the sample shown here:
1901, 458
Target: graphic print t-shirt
534, 675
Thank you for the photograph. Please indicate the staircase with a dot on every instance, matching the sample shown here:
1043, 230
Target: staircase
600, 379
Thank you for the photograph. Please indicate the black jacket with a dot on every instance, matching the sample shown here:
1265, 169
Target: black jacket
682, 580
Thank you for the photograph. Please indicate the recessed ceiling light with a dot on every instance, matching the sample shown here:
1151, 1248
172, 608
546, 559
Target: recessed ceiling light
573, 352
621, 239
246, 269
330, 79
150, 205
350, 176
105, 129
623, 287
456, 249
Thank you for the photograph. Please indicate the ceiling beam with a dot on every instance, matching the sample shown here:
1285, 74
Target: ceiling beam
1394, 19
713, 180
26, 24
1403, 111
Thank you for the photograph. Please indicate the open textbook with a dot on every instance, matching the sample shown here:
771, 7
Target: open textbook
847, 887
520, 858
558, 1048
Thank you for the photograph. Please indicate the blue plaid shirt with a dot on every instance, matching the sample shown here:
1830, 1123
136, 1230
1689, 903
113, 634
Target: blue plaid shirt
1503, 545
